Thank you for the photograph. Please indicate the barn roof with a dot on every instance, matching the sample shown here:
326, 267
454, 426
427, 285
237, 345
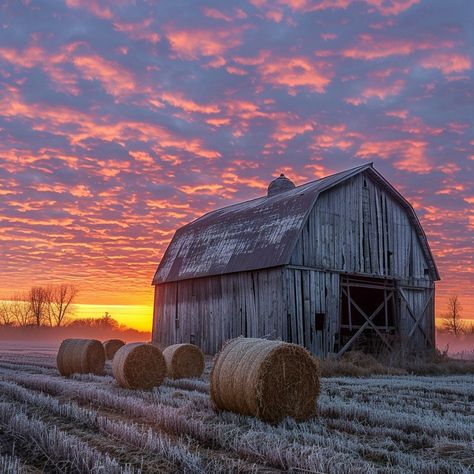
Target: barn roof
255, 234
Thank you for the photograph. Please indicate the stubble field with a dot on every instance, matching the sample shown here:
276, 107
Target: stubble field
88, 424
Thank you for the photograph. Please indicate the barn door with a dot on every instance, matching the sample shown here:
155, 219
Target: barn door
367, 314
416, 324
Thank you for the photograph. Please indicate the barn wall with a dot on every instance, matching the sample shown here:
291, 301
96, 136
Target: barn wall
209, 311
358, 227
311, 295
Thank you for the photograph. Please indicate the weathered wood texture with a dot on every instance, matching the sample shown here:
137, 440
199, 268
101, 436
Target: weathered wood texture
209, 311
358, 227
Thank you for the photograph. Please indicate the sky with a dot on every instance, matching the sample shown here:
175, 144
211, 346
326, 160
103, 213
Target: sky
122, 121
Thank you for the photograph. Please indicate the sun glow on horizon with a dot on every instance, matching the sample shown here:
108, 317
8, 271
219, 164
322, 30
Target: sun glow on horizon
134, 316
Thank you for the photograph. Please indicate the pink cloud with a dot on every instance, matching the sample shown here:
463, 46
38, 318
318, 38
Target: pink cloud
178, 100
192, 43
333, 136
287, 131
407, 155
379, 91
138, 31
447, 63
392, 7
384, 7
92, 6
218, 15
295, 72
369, 48
115, 79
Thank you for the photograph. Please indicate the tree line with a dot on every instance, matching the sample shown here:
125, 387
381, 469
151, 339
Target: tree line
49, 305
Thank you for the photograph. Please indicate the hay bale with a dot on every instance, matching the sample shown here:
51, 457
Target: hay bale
267, 379
81, 356
139, 366
183, 361
111, 346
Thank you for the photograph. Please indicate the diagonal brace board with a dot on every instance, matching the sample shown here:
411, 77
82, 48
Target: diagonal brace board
367, 322
420, 317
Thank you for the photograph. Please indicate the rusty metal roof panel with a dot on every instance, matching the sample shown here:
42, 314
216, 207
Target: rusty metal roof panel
251, 235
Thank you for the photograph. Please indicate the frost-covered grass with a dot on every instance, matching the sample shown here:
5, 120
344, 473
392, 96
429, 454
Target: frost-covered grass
390, 424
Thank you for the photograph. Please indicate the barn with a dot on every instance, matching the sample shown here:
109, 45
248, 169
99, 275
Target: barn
336, 264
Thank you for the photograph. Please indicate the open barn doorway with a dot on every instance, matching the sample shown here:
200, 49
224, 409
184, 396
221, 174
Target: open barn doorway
368, 320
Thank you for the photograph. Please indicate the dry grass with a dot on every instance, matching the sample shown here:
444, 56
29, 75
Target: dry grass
358, 364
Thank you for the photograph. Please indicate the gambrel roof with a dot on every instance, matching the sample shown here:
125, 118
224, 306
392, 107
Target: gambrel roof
259, 233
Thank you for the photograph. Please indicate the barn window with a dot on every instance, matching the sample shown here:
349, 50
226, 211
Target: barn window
319, 321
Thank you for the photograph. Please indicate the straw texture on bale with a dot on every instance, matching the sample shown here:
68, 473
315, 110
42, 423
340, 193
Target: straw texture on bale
139, 366
266, 379
183, 361
111, 347
81, 356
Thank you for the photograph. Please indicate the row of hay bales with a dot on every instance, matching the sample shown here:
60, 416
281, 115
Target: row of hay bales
137, 365
266, 379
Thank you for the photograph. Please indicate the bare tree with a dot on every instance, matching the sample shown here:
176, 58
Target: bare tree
452, 319
62, 297
6, 314
20, 309
39, 299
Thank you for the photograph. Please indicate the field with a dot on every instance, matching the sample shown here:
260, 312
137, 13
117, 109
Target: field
88, 424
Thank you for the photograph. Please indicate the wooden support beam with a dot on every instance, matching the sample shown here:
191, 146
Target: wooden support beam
420, 317
410, 311
361, 329
362, 312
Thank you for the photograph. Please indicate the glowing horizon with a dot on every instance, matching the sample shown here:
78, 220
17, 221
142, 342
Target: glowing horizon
121, 122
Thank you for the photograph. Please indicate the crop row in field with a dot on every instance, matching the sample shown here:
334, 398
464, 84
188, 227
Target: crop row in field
379, 424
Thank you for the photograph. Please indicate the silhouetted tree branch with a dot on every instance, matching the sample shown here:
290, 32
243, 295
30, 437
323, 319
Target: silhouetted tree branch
452, 319
62, 297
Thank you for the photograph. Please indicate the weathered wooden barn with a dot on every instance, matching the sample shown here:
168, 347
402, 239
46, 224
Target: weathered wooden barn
335, 264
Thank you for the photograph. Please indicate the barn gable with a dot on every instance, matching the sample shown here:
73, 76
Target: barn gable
257, 234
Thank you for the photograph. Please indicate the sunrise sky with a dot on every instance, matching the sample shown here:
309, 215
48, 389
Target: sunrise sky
121, 121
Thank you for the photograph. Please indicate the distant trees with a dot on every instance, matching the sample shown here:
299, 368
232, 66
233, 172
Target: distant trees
40, 306
104, 322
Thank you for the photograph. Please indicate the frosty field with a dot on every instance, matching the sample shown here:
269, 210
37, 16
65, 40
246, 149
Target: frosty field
88, 424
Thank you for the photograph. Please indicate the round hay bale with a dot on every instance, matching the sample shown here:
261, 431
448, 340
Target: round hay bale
81, 356
267, 379
139, 366
111, 346
183, 361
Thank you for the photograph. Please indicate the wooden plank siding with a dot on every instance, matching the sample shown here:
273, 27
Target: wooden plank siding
357, 227
211, 310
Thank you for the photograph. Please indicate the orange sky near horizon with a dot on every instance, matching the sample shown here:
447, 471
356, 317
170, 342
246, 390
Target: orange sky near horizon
122, 121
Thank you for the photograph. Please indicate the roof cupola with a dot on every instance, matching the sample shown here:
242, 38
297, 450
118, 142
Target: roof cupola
280, 185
